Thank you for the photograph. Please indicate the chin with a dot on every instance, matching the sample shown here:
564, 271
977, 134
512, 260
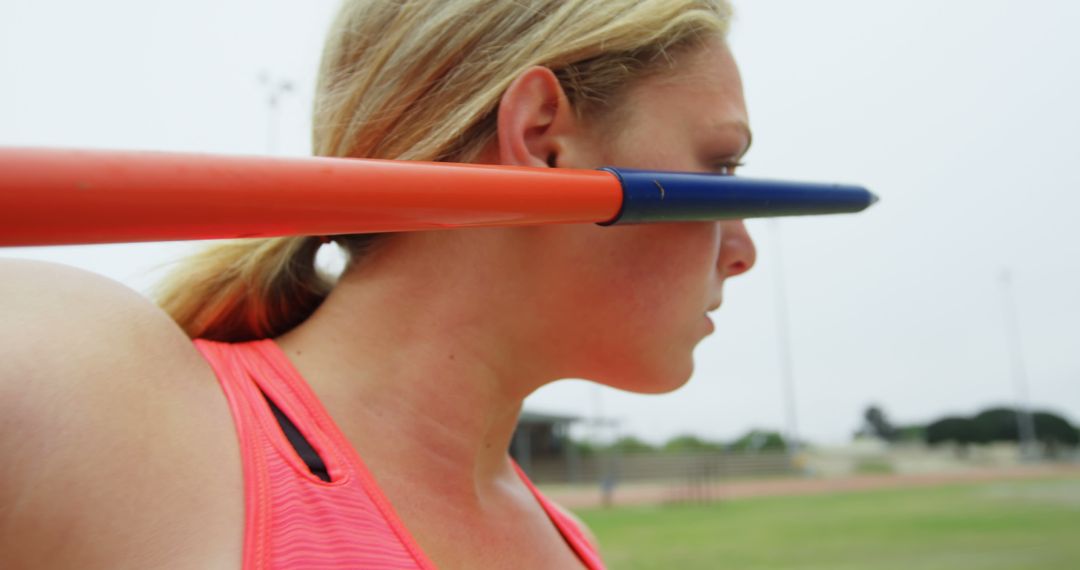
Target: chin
644, 379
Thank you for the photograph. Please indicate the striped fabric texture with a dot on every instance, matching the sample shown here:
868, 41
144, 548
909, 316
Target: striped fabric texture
292, 518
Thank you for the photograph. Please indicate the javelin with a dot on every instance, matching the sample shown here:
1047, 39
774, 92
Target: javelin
58, 196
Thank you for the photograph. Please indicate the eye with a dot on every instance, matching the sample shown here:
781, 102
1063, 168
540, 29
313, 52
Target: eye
728, 168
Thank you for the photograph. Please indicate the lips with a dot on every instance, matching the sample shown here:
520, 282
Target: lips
713, 307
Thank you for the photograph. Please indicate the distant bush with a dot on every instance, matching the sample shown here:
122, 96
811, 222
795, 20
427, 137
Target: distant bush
584, 448
1002, 425
1054, 432
759, 440
691, 444
631, 444
997, 424
911, 433
963, 431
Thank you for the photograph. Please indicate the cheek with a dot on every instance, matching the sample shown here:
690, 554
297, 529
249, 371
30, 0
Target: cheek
669, 270
639, 301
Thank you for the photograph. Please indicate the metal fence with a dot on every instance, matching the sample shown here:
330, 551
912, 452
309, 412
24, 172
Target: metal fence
613, 468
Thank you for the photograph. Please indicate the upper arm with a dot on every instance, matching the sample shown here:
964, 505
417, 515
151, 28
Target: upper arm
81, 389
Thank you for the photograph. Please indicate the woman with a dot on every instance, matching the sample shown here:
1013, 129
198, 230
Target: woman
374, 416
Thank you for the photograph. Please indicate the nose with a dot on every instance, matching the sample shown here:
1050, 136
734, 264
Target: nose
737, 251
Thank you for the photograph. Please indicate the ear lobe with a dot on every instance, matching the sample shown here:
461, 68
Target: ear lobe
534, 117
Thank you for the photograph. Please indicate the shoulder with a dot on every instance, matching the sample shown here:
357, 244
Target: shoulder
95, 377
62, 323
586, 532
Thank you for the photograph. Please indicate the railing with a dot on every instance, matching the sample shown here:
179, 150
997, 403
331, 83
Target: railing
658, 467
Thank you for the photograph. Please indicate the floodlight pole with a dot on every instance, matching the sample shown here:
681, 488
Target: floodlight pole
609, 469
1025, 423
275, 89
597, 414
783, 334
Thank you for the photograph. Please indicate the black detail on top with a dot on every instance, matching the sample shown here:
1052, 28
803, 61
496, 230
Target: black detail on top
307, 453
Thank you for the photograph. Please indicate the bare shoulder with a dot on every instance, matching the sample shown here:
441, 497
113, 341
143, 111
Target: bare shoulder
98, 392
584, 528
61, 323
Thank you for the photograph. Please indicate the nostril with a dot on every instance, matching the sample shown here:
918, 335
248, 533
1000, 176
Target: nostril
737, 251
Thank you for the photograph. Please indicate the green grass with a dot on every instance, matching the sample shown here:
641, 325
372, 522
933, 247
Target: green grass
1030, 525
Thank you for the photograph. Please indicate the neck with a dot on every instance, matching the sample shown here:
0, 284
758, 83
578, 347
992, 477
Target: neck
416, 363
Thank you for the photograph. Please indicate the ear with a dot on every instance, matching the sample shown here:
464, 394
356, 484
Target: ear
534, 120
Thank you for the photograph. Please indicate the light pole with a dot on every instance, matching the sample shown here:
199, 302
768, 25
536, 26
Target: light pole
275, 89
783, 334
1025, 424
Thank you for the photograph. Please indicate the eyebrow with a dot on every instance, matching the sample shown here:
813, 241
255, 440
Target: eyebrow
745, 128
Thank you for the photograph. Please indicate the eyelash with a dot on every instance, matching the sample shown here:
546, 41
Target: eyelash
728, 168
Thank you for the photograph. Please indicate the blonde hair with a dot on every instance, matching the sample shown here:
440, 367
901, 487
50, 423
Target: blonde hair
422, 80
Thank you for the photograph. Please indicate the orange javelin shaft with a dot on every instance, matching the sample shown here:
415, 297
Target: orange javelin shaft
52, 197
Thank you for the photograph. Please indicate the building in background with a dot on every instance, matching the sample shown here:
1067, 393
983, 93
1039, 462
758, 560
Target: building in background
544, 439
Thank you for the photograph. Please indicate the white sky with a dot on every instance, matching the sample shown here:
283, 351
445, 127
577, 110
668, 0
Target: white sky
961, 115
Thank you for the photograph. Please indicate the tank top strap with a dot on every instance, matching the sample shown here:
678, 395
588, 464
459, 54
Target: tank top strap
568, 528
292, 517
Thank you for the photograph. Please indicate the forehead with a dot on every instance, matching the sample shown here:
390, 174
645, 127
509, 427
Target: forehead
702, 83
685, 117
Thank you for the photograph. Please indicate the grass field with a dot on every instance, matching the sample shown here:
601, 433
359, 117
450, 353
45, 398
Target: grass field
1029, 525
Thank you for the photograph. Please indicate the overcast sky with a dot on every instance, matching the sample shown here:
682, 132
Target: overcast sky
962, 115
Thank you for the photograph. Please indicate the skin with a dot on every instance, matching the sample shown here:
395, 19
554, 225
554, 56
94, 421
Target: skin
436, 339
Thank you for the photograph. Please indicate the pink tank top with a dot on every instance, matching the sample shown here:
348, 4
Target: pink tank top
294, 519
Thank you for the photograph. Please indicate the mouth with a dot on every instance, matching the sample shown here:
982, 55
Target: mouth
713, 307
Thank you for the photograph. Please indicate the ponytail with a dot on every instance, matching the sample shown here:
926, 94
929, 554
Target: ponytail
248, 289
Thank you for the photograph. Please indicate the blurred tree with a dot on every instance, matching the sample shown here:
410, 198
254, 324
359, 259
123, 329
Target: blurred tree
961, 431
878, 425
583, 448
630, 444
687, 443
1000, 425
1055, 432
997, 424
759, 440
911, 433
